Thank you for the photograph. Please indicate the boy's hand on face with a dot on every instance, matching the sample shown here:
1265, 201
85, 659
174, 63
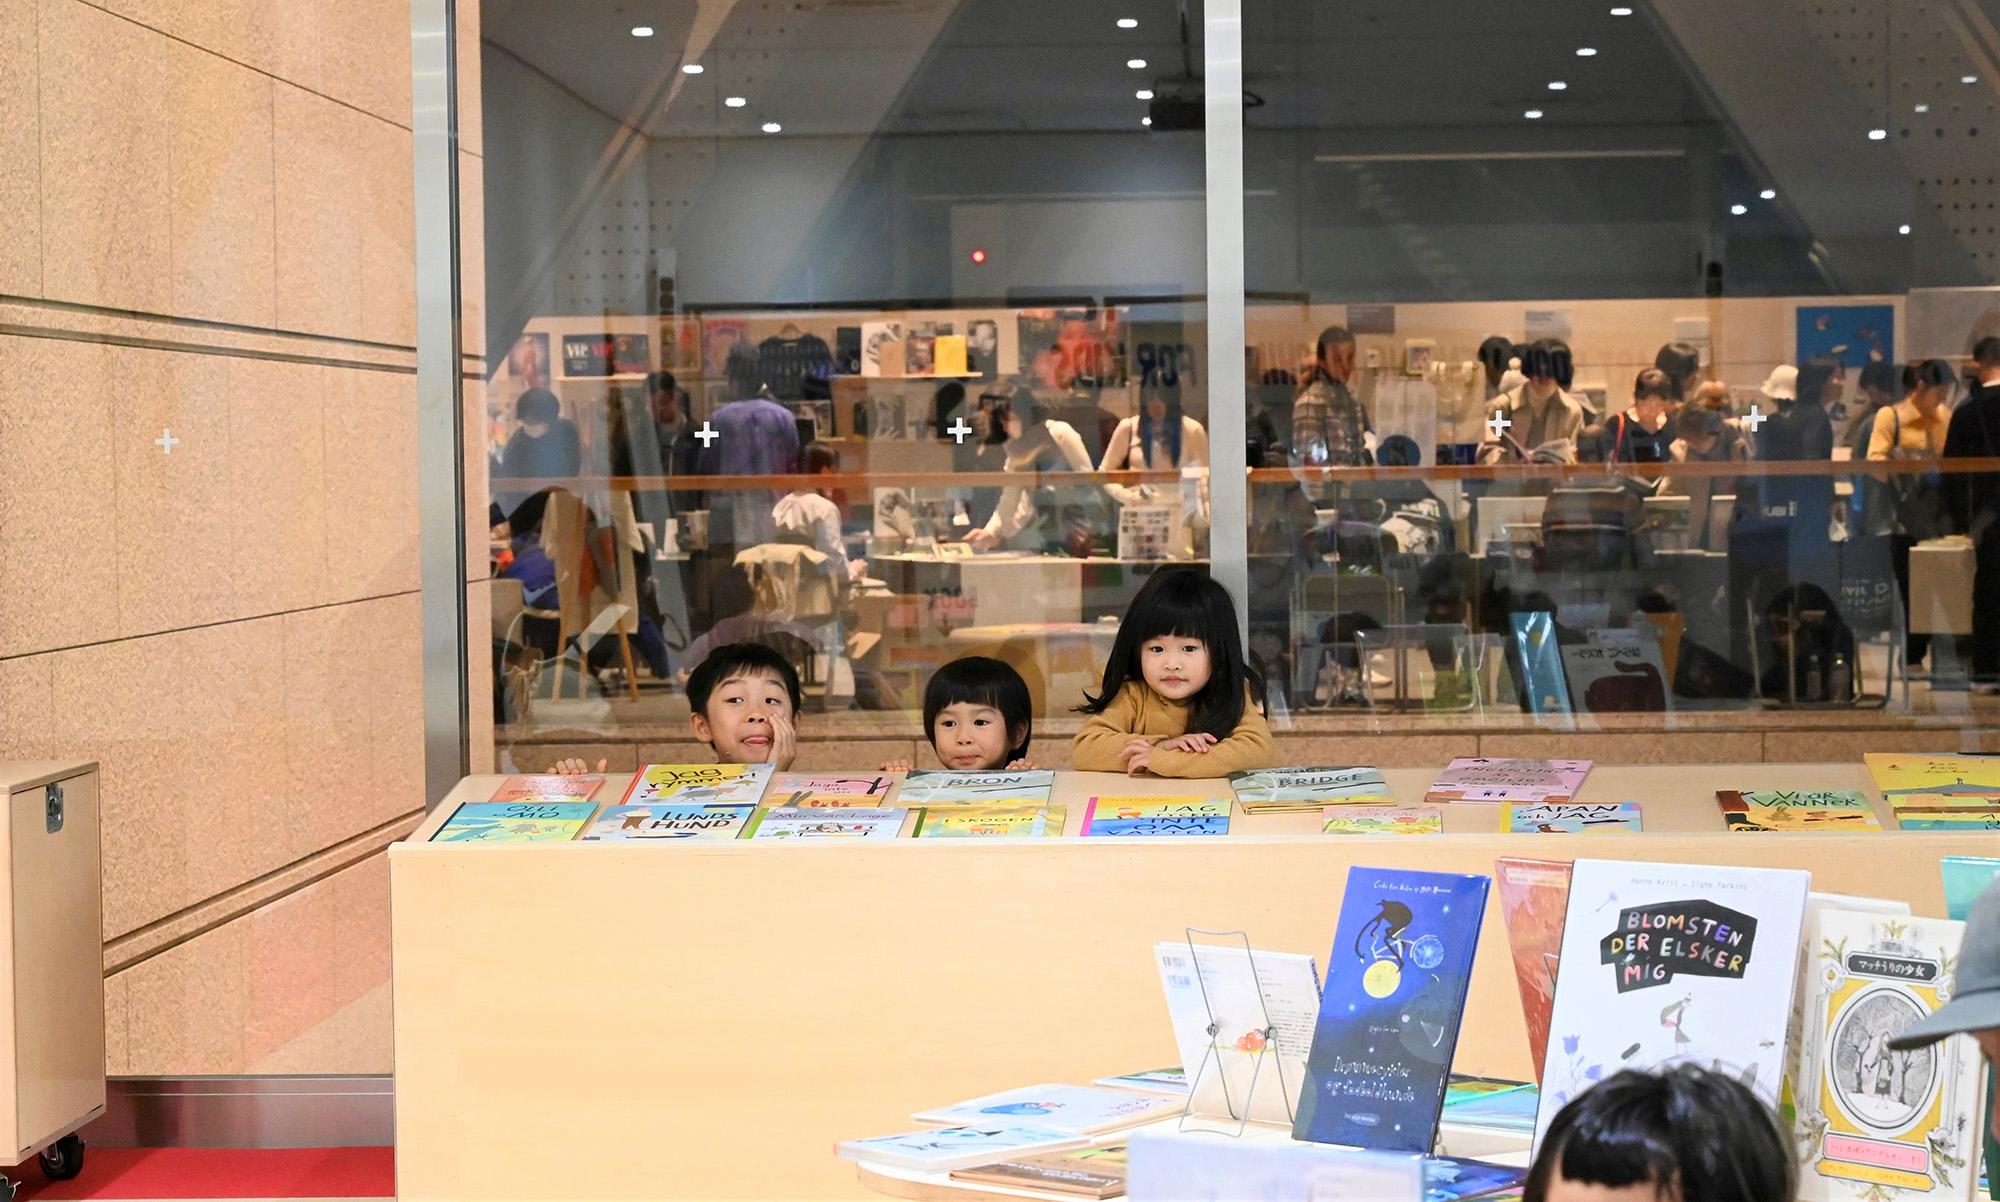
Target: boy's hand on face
575, 767
784, 742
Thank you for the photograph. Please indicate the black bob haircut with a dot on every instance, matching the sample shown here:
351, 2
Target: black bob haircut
1549, 358
740, 659
983, 680
1701, 1134
1184, 603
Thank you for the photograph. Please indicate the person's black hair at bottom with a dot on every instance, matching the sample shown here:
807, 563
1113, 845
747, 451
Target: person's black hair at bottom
1695, 1135
740, 659
983, 680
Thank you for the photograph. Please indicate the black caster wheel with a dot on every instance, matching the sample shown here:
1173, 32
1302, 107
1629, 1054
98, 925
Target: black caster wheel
64, 1159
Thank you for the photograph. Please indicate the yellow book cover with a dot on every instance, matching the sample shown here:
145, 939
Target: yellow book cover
1895, 772
1756, 819
1384, 820
991, 822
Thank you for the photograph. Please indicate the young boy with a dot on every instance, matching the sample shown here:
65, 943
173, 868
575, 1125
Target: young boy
744, 702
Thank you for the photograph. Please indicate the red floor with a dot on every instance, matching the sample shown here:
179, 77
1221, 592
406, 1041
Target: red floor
146, 1173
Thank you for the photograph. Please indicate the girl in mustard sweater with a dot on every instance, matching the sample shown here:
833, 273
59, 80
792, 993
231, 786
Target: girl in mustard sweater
1178, 696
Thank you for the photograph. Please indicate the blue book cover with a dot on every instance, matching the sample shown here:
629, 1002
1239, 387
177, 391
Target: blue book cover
1965, 878
1389, 1015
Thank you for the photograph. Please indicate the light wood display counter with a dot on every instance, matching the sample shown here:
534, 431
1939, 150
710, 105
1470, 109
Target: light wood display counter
632, 1021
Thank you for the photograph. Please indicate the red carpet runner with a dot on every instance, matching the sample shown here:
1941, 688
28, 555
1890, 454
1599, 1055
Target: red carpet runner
146, 1173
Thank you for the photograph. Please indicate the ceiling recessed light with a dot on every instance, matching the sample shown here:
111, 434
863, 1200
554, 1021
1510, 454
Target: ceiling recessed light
1902, 229
735, 102
771, 127
693, 69
1586, 52
1876, 135
1145, 120
1968, 79
1621, 11
1533, 114
1144, 94
1923, 108
1769, 194
1128, 22
1739, 210
642, 31
1137, 64
1557, 85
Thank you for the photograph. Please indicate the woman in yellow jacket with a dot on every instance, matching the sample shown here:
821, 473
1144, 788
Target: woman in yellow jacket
1908, 506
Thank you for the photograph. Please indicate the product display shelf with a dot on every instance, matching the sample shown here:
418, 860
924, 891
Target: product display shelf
625, 1021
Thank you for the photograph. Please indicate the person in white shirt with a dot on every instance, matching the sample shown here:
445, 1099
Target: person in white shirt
808, 515
1034, 445
1158, 438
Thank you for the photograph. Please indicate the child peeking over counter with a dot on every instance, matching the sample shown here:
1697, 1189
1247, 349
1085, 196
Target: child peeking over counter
1178, 698
743, 701
979, 717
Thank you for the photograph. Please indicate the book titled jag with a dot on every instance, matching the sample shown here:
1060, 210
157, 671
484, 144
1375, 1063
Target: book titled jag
1389, 1015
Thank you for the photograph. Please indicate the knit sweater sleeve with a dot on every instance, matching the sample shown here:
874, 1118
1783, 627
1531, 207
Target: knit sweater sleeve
1248, 747
1098, 742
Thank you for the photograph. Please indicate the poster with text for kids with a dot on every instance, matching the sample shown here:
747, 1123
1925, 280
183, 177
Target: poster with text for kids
1389, 1017
1874, 1122
1673, 963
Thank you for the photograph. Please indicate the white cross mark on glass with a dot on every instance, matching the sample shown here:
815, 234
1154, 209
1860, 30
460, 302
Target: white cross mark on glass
958, 430
1756, 419
1497, 423
166, 442
707, 434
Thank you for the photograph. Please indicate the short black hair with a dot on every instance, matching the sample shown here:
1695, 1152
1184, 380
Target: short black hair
1928, 373
819, 458
741, 659
1815, 375
1496, 351
1700, 1133
1883, 377
662, 381
538, 405
1550, 359
982, 680
1986, 351
1655, 381
1332, 336
1679, 361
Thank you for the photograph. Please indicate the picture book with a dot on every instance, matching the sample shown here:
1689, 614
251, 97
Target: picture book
828, 792
938, 1149
515, 822
1895, 772
1541, 664
1478, 778
1085, 1173
1965, 878
1614, 671
1154, 817
1151, 1080
786, 822
1302, 790
1952, 820
1948, 802
1545, 819
990, 822
1082, 1109
928, 788
714, 784
1388, 1020
1233, 1071
1384, 820
1511, 1112
1671, 963
1450, 1180
1797, 1059
1792, 799
1460, 1088
1534, 897
1877, 1121
547, 786
702, 823
1759, 820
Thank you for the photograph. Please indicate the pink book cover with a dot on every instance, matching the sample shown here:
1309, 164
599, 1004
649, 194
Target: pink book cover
1479, 778
517, 788
1534, 897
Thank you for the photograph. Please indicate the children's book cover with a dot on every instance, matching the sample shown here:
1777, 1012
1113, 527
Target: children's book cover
1544, 819
1882, 1123
701, 823
1384, 820
1151, 1080
1740, 800
806, 791
942, 1148
1083, 1109
1895, 772
547, 787
928, 788
1540, 657
1478, 778
1670, 963
1953, 820
1097, 1172
1221, 1003
786, 822
515, 822
1450, 1180
990, 822
1308, 788
1947, 802
713, 784
1965, 878
1801, 1052
1166, 817
1389, 1018
1759, 820
1512, 1112
1534, 897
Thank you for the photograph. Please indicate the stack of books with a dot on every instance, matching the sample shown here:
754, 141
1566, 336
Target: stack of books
1939, 792
1480, 778
1766, 810
1305, 790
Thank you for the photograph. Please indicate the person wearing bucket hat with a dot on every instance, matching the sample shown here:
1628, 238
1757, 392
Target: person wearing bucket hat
1974, 1008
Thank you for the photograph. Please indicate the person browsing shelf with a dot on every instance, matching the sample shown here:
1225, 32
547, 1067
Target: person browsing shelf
1329, 426
1638, 434
1159, 438
743, 701
978, 716
1035, 444
1910, 507
1179, 699
1974, 502
1541, 413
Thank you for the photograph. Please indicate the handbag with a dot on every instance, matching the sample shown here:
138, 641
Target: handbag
1914, 498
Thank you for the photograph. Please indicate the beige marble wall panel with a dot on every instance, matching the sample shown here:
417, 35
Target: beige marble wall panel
117, 1035
322, 207
370, 434
27, 693
396, 711
278, 485
471, 115
223, 213
290, 966
21, 148
364, 55
279, 38
58, 533
472, 253
478, 554
174, 518
479, 675
190, 1006
361, 929
388, 235
107, 132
